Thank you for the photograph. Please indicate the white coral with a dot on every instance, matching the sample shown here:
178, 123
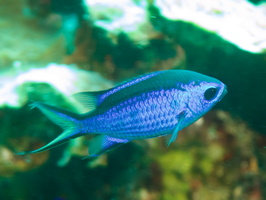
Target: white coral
120, 16
67, 80
237, 21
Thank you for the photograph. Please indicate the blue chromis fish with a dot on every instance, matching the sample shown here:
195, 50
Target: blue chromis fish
153, 105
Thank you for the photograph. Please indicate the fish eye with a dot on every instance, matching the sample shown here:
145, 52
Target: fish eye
210, 94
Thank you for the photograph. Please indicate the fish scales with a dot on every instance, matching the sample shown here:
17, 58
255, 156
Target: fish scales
136, 119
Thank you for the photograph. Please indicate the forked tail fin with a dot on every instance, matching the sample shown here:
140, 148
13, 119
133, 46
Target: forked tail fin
65, 119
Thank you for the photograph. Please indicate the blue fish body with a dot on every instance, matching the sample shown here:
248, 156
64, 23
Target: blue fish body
157, 104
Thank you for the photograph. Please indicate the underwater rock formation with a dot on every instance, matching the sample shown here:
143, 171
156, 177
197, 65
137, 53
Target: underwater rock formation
236, 21
122, 16
25, 39
19, 86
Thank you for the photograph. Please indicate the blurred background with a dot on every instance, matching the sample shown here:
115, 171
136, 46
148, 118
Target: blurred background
51, 49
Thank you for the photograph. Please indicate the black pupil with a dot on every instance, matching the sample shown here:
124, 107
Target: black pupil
210, 93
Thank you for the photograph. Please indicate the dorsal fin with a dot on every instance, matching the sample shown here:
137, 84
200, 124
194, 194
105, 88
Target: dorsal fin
89, 100
127, 83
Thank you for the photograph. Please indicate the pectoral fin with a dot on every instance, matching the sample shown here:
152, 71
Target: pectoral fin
103, 143
181, 118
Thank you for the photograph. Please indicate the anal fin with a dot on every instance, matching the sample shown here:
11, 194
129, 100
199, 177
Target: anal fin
103, 143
